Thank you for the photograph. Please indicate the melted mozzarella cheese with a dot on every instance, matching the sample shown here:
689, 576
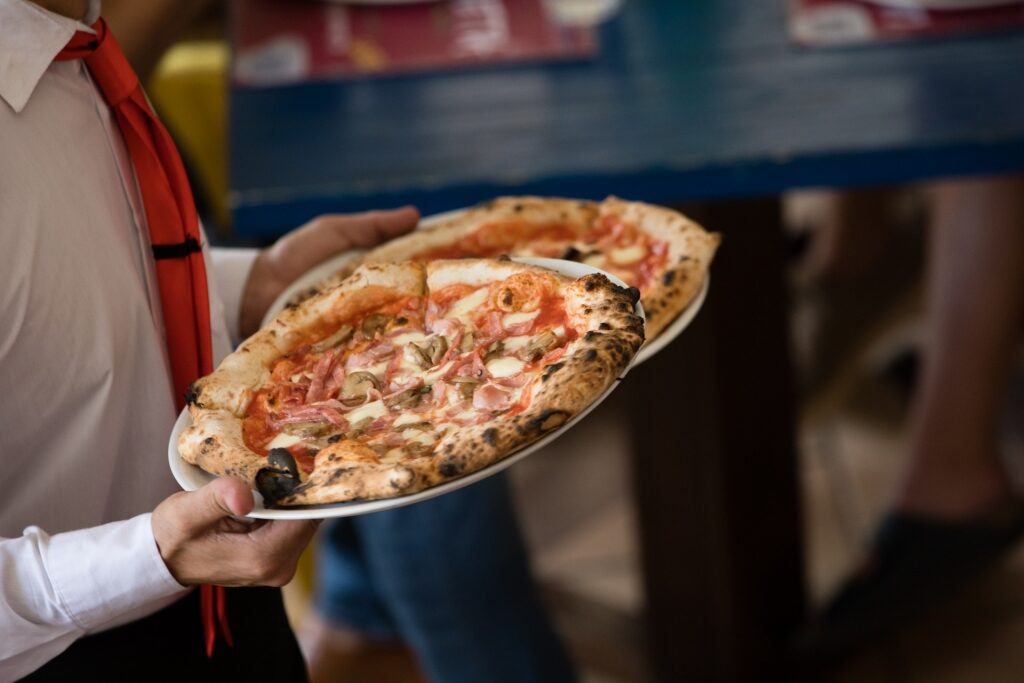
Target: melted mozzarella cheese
512, 319
373, 409
462, 309
379, 369
505, 367
407, 419
628, 255
595, 260
283, 440
437, 374
393, 456
516, 343
425, 438
409, 337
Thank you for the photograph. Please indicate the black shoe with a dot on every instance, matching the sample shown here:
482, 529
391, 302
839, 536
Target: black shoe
916, 563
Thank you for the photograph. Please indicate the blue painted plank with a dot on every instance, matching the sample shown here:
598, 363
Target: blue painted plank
686, 100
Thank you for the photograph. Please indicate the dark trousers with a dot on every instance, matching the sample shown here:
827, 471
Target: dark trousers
168, 646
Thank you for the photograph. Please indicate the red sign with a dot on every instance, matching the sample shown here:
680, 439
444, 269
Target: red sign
277, 41
843, 22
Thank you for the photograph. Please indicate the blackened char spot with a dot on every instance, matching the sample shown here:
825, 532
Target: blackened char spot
604, 326
591, 334
572, 254
591, 284
491, 436
192, 395
507, 298
551, 369
546, 421
208, 441
668, 277
450, 468
590, 354
338, 474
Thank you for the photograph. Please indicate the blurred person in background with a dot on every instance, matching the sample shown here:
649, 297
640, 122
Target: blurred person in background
954, 511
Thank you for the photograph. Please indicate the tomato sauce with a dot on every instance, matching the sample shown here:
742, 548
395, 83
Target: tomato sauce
503, 237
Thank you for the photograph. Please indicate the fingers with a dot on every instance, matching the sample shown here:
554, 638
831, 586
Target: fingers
200, 542
332, 233
278, 546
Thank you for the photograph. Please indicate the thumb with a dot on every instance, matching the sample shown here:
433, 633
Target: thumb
222, 497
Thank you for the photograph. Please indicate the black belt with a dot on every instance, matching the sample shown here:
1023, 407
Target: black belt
180, 250
168, 646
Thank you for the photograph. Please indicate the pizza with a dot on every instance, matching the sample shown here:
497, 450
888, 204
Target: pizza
407, 375
657, 250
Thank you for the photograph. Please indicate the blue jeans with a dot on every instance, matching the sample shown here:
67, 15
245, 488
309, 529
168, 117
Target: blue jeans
451, 578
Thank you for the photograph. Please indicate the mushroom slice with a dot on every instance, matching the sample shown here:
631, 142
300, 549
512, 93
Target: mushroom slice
429, 353
375, 323
404, 399
466, 385
356, 387
343, 334
494, 350
418, 426
417, 355
436, 347
538, 346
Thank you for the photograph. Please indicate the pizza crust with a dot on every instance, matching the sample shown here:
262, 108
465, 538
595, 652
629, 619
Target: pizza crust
610, 333
690, 248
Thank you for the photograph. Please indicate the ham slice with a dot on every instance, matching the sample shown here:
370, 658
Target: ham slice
490, 397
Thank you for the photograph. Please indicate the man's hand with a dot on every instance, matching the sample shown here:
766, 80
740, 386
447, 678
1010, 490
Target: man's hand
298, 251
200, 542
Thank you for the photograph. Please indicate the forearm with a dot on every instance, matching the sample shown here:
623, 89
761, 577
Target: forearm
55, 589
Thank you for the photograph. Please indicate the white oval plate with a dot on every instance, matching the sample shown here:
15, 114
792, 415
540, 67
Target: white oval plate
336, 263
190, 477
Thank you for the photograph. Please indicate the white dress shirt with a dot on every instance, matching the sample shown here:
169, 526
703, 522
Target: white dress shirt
86, 403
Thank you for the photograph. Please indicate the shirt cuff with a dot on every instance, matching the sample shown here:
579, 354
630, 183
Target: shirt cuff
231, 269
106, 572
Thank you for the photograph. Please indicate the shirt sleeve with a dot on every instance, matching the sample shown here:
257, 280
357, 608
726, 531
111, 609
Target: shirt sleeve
55, 589
231, 268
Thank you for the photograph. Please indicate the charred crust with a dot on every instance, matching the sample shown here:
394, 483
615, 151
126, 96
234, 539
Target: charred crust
545, 421
339, 473
208, 441
450, 467
590, 285
668, 277
517, 207
551, 369
590, 354
192, 395
490, 436
504, 257
603, 326
334, 438
590, 335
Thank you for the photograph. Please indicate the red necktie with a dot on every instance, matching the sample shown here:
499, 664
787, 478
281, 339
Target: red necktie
174, 233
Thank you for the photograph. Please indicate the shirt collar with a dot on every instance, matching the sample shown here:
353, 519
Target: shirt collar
31, 38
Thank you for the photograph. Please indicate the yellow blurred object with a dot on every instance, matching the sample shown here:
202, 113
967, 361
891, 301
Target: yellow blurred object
189, 91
